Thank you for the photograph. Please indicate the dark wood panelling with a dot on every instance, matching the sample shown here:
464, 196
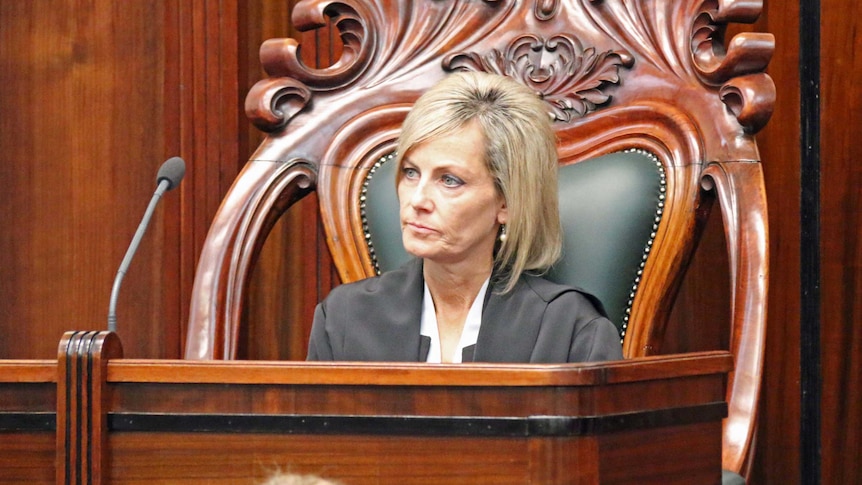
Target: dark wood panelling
704, 296
841, 241
81, 141
95, 95
202, 122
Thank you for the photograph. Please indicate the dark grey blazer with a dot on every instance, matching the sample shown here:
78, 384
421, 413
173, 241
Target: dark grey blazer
378, 319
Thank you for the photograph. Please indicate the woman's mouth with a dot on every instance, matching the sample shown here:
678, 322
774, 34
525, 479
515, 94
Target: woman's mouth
419, 228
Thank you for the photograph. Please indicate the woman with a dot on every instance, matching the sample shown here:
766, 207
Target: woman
477, 188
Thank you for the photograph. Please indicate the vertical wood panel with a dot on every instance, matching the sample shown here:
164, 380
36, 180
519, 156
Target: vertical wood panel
841, 241
80, 145
95, 94
202, 124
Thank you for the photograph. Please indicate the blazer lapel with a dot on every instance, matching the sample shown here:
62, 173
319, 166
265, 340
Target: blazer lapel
507, 333
400, 320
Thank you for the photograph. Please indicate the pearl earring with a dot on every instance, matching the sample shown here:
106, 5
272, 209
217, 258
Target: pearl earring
503, 233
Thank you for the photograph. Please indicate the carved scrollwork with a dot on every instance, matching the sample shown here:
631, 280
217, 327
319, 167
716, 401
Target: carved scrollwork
271, 103
648, 30
746, 53
750, 98
569, 77
569, 51
376, 45
747, 91
280, 57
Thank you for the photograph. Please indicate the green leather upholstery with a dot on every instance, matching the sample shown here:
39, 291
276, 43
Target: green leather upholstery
730, 478
610, 207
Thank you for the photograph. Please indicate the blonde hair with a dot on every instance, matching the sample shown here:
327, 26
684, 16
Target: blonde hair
520, 154
281, 478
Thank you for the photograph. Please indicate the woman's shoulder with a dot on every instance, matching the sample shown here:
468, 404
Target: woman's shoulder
384, 283
545, 288
550, 291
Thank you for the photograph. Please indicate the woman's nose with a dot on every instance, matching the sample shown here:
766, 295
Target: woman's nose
420, 198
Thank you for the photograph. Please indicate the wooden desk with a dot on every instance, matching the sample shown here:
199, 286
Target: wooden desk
653, 420
28, 404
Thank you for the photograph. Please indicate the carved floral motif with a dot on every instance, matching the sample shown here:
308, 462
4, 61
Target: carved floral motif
569, 77
546, 9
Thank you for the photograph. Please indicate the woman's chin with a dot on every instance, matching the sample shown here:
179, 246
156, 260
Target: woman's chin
417, 253
418, 250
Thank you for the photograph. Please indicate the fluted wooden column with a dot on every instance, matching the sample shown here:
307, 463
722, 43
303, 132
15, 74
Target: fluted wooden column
82, 420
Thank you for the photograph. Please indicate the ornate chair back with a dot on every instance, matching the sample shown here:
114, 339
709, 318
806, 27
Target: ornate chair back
655, 117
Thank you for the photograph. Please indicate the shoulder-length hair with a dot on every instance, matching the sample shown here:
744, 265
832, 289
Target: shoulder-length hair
520, 154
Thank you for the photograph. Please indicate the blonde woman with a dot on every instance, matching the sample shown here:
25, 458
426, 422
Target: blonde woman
477, 189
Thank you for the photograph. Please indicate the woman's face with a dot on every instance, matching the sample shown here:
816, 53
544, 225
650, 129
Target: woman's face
450, 208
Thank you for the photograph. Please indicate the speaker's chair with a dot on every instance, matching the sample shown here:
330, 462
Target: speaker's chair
655, 117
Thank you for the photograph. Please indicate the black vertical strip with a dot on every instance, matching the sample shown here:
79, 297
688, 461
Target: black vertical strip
810, 376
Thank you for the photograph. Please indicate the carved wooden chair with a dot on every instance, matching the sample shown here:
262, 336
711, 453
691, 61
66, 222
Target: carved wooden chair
655, 116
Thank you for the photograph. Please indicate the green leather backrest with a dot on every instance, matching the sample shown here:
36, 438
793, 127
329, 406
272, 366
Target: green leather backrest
610, 207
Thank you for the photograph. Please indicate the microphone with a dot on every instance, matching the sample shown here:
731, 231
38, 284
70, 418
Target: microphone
170, 174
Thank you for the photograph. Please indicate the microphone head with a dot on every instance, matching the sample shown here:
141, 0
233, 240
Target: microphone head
173, 171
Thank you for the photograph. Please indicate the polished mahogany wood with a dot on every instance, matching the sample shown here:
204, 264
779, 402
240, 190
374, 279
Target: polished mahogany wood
841, 243
28, 400
295, 269
125, 420
179, 421
82, 424
687, 455
96, 95
82, 104
616, 74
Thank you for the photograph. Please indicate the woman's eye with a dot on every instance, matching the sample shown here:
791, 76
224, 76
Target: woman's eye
410, 172
451, 181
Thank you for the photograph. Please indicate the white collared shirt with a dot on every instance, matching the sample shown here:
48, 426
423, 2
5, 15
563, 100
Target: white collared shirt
469, 335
